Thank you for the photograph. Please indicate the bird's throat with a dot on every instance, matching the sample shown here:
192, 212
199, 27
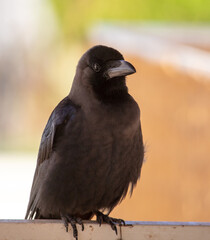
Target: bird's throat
111, 92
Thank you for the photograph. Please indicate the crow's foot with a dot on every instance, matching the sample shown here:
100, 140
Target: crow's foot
103, 218
73, 221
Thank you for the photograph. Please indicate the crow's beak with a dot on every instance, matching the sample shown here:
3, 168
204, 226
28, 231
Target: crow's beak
119, 68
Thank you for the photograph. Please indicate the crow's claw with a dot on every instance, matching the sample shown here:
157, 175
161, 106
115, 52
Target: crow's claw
66, 224
100, 218
73, 221
118, 221
79, 221
113, 226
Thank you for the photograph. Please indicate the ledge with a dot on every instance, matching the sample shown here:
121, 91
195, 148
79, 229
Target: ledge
55, 230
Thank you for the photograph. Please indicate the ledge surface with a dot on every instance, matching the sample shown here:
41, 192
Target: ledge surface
55, 230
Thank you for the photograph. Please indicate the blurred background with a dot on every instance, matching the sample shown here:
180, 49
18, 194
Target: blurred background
168, 42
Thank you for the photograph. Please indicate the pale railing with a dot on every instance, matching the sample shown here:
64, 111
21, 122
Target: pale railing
54, 230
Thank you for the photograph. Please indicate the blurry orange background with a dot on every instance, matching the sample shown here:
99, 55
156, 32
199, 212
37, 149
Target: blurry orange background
175, 116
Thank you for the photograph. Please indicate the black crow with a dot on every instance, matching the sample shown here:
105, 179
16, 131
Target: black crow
91, 149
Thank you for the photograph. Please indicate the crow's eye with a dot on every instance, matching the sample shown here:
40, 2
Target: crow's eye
96, 67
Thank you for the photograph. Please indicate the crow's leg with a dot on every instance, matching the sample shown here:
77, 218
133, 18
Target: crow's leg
73, 221
103, 218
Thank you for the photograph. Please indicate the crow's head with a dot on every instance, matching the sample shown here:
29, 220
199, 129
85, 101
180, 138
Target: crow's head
103, 69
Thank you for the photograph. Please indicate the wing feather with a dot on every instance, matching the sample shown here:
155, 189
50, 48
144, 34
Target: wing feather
65, 111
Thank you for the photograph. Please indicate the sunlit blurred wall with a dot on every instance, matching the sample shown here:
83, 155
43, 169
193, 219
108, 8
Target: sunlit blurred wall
175, 121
